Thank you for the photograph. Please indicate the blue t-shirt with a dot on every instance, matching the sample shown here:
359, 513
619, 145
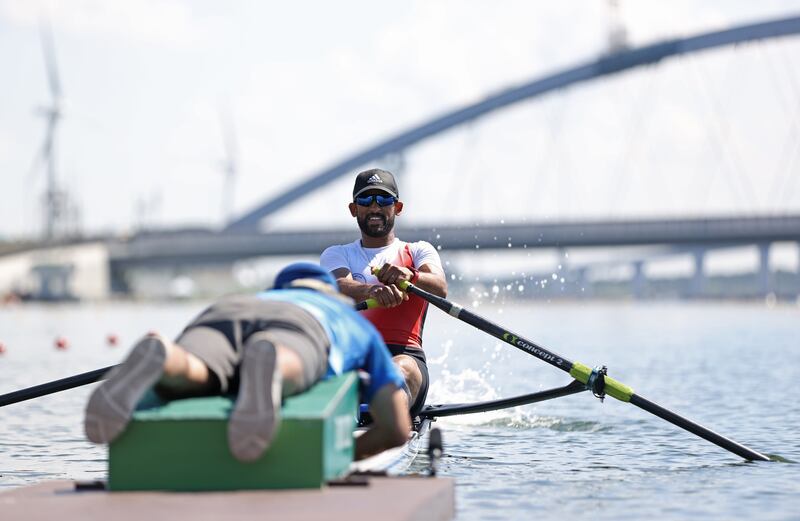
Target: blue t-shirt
355, 343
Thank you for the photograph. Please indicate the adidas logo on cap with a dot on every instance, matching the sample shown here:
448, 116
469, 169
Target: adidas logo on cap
374, 179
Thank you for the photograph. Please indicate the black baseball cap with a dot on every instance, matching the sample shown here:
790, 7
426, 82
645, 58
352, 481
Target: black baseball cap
375, 179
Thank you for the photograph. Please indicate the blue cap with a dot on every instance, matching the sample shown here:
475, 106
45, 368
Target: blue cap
304, 270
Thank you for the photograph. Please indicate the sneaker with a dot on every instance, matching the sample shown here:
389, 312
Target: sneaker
112, 403
256, 415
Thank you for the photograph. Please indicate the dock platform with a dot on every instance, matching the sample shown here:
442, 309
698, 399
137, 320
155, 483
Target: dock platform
385, 498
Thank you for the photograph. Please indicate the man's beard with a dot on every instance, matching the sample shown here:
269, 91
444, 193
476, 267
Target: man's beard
381, 230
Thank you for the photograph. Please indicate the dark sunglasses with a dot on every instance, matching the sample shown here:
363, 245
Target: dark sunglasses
382, 200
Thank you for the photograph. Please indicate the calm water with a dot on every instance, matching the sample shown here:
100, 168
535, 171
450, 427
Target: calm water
734, 368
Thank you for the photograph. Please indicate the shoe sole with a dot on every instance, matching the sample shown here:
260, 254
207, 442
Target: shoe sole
256, 415
111, 405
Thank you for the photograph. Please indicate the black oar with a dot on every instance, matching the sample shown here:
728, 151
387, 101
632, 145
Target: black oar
53, 387
592, 378
440, 411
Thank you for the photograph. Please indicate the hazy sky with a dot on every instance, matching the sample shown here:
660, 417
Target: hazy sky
309, 83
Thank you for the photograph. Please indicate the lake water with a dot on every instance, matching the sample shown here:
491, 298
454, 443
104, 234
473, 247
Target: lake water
732, 367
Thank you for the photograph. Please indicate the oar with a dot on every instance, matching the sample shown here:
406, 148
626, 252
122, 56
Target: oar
583, 373
439, 411
53, 387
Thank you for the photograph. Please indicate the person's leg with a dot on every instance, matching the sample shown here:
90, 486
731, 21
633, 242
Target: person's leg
153, 359
275, 363
390, 422
410, 372
419, 402
184, 374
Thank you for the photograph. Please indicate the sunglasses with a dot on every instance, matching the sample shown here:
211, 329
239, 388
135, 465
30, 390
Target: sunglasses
382, 200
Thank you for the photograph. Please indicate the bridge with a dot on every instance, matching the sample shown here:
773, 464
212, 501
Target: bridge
593, 70
210, 247
245, 236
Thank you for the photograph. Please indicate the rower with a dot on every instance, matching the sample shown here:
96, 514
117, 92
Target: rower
399, 317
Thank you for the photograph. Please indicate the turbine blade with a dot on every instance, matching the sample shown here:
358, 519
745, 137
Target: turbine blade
43, 154
36, 164
229, 140
49, 49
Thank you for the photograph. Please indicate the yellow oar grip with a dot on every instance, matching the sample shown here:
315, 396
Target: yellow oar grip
371, 303
403, 284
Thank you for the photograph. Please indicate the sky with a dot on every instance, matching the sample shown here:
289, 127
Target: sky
146, 85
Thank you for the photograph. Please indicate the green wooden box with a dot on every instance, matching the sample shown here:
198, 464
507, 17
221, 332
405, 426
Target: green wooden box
182, 445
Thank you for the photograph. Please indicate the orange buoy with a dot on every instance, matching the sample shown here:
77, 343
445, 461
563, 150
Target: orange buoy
112, 339
61, 343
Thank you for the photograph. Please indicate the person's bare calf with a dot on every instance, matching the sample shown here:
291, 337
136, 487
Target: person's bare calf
184, 374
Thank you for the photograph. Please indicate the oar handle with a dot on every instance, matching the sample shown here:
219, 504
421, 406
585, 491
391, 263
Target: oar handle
370, 303
403, 284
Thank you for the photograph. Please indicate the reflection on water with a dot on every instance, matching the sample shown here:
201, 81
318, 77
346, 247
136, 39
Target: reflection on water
725, 366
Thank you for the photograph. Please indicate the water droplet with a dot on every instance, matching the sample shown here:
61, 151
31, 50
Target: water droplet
520, 288
554, 276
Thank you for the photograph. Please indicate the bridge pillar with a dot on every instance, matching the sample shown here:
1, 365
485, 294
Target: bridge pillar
639, 280
763, 276
54, 281
584, 284
697, 283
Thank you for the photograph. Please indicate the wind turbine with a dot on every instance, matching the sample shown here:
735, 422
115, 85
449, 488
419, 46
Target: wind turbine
53, 199
229, 165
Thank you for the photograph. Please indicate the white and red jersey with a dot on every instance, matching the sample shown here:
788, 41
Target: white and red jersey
401, 325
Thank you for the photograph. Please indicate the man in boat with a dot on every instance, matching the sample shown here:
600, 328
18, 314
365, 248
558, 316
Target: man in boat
400, 317
266, 346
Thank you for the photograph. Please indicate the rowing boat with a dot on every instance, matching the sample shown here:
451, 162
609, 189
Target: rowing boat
395, 461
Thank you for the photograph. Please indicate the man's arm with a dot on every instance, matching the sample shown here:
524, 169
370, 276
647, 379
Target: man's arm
388, 296
391, 422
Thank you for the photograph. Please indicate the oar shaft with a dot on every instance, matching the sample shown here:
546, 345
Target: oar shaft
493, 329
439, 411
53, 387
696, 428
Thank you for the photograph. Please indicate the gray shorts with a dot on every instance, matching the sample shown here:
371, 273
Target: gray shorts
218, 336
